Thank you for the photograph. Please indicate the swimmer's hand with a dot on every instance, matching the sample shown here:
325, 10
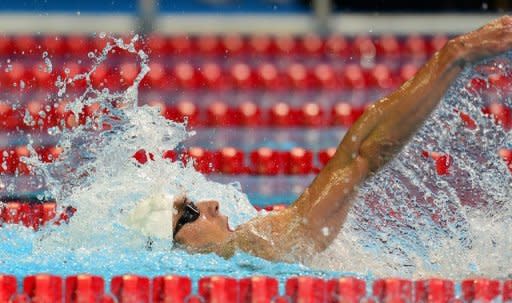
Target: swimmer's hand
491, 39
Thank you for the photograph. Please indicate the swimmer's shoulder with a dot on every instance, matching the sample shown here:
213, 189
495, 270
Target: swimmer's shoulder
277, 236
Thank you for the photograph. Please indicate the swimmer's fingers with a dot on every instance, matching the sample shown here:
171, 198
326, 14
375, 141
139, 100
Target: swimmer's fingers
491, 39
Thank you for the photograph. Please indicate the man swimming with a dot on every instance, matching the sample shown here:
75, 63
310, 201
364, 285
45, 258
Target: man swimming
313, 221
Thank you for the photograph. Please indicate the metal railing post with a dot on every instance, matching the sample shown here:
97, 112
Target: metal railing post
323, 10
147, 14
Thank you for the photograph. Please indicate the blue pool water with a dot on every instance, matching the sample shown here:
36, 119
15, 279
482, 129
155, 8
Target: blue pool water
391, 231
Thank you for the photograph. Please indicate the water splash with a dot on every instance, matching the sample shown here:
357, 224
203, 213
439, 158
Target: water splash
409, 220
97, 175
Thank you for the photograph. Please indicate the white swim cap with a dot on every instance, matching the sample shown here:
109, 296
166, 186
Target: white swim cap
153, 215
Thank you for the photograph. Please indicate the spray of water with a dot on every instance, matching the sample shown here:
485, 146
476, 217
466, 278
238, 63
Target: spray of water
407, 220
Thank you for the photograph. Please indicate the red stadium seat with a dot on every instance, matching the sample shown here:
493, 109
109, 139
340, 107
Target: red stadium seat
11, 213
388, 46
312, 45
213, 77
300, 161
157, 45
54, 45
260, 45
349, 290
312, 115
437, 42
258, 289
205, 161
43, 78
507, 291
127, 74
187, 77
232, 161
363, 46
305, 290
6, 45
157, 77
233, 45
130, 289
286, 45
8, 287
10, 119
184, 110
208, 45
407, 71
299, 76
243, 77
325, 155
15, 73
180, 45
84, 288
218, 289
281, 114
393, 290
415, 46
101, 77
79, 45
337, 46
249, 114
500, 113
25, 45
265, 161
345, 114
353, 77
380, 76
219, 114
43, 288
325, 76
434, 290
480, 290
270, 77
171, 289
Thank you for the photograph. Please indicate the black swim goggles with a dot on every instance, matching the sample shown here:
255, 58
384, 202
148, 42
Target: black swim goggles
190, 214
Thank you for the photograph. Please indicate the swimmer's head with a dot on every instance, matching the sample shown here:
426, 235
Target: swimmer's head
199, 225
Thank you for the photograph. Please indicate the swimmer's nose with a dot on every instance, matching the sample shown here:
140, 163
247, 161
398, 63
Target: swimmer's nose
209, 207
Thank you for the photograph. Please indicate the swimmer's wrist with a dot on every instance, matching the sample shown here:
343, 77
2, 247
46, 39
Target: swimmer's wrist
456, 53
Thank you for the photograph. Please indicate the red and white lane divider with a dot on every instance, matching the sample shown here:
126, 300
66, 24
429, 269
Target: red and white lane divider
214, 289
229, 160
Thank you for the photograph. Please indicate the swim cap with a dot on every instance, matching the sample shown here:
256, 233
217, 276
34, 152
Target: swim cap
152, 216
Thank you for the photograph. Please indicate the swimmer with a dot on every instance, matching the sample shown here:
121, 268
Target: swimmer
313, 221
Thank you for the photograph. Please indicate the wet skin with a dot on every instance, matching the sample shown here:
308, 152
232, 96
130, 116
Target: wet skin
313, 221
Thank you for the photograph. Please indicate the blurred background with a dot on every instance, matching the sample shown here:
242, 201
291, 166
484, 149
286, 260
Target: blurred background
269, 86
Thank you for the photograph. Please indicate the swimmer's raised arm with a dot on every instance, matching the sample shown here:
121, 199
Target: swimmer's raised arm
313, 221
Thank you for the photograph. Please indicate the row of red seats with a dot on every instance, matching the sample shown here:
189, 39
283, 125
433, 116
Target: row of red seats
229, 160
47, 288
33, 215
217, 114
233, 45
211, 75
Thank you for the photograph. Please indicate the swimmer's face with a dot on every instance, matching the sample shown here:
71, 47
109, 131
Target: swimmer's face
210, 228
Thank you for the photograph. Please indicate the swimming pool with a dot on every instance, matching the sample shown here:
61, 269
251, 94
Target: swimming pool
76, 247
